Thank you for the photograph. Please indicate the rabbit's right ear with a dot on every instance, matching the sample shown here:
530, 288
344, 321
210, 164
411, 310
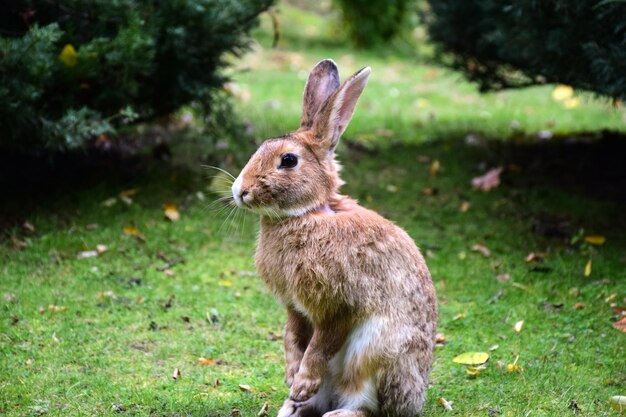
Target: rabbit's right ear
323, 81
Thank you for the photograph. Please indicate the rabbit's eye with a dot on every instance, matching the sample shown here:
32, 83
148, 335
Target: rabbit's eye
288, 160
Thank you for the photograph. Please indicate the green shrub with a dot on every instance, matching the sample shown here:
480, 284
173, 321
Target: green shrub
71, 70
522, 42
374, 22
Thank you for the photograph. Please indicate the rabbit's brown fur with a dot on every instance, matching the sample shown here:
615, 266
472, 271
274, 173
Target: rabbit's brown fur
361, 306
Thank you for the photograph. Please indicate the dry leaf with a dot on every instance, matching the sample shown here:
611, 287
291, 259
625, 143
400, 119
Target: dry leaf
86, 254
28, 226
176, 374
245, 387
55, 308
514, 367
503, 277
620, 325
18, 244
392, 188
465, 206
588, 268
445, 403
129, 193
618, 402
109, 202
206, 362
474, 371
101, 249
518, 326
168, 272
131, 231
595, 239
264, 410
225, 283
562, 92
440, 338
171, 212
471, 358
434, 167
579, 306
458, 316
482, 249
494, 347
488, 181
534, 257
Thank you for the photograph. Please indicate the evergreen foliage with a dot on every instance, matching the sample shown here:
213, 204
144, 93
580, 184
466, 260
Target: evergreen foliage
522, 42
73, 69
373, 22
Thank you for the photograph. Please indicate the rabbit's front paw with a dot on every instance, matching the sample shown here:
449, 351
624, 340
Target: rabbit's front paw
304, 387
290, 373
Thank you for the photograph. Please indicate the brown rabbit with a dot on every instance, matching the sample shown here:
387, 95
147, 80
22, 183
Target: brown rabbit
361, 307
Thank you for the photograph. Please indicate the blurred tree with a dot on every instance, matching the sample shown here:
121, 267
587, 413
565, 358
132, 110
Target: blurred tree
73, 69
374, 22
517, 43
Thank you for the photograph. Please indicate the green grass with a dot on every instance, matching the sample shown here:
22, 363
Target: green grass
114, 347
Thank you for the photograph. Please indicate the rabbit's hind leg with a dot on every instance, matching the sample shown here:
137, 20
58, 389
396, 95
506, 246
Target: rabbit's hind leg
402, 389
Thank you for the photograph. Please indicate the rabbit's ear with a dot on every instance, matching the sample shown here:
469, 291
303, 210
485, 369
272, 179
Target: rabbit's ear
333, 118
323, 81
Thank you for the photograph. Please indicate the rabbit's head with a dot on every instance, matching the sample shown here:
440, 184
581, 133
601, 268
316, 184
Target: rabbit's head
297, 173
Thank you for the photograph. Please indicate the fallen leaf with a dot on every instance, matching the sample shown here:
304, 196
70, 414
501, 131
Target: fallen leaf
514, 367
471, 358
434, 167
10, 297
458, 316
620, 325
534, 257
588, 268
133, 231
579, 306
101, 249
55, 308
392, 188
129, 193
18, 244
86, 254
28, 226
91, 226
611, 298
429, 191
618, 402
562, 92
176, 374
465, 206
109, 202
225, 283
245, 387
440, 338
494, 347
445, 403
488, 181
171, 212
518, 326
571, 103
595, 240
264, 410
503, 277
168, 272
482, 249
474, 371
206, 362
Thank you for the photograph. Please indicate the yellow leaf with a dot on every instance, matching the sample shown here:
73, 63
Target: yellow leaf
562, 92
618, 402
225, 283
471, 358
434, 167
245, 387
206, 362
171, 212
571, 103
445, 403
129, 193
595, 239
475, 371
588, 268
513, 367
68, 55
131, 231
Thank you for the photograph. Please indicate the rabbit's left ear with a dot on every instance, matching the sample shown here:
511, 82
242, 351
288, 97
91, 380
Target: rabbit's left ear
333, 118
323, 81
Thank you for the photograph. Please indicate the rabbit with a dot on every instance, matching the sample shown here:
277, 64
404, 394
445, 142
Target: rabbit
361, 306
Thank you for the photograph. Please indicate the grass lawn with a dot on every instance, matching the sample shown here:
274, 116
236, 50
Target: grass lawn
102, 335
